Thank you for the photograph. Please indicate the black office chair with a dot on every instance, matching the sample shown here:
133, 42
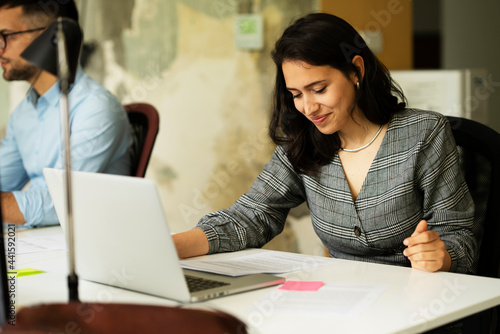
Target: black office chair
144, 121
479, 154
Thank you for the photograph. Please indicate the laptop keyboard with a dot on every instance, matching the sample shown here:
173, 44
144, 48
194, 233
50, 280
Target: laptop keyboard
198, 284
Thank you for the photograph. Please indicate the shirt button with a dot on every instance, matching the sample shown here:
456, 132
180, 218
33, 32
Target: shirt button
357, 231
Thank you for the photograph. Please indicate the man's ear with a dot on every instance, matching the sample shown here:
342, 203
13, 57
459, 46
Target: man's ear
359, 62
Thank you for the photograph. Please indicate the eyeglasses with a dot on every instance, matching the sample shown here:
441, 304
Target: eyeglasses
3, 36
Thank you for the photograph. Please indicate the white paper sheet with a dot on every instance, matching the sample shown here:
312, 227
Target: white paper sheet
331, 300
265, 262
40, 244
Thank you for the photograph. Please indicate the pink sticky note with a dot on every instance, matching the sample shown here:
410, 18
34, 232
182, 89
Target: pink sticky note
302, 285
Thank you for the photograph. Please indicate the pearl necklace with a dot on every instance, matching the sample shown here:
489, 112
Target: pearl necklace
363, 147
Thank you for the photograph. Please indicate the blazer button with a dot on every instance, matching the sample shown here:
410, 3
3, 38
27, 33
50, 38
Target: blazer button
357, 231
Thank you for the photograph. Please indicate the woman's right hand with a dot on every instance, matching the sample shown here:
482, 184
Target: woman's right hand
191, 243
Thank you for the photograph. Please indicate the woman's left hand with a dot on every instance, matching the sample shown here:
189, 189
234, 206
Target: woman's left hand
426, 251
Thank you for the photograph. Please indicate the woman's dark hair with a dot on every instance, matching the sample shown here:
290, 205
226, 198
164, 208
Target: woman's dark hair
49, 8
322, 39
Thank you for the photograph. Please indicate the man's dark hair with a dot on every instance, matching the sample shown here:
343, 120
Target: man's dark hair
49, 8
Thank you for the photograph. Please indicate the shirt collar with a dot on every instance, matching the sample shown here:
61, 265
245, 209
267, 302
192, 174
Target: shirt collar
53, 95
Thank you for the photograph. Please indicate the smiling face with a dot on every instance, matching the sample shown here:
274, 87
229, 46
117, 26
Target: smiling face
321, 93
13, 65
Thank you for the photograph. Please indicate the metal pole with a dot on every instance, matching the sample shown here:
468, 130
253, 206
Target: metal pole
65, 127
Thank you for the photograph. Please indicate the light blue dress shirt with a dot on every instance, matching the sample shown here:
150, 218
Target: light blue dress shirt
100, 141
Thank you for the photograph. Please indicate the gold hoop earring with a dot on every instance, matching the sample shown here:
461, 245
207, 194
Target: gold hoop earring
357, 85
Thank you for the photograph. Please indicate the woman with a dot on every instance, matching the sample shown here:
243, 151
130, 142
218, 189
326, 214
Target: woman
382, 181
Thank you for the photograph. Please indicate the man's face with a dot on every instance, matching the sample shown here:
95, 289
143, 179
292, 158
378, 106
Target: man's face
14, 67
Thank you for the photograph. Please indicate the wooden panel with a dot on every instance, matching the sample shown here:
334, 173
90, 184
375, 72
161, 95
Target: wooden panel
392, 17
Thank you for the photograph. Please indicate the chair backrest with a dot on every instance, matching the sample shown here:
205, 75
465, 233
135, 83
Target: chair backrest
479, 154
110, 318
144, 121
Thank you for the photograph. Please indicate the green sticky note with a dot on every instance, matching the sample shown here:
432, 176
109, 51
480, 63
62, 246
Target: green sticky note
24, 272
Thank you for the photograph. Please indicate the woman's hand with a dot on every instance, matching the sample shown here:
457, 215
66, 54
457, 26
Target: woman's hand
426, 251
191, 243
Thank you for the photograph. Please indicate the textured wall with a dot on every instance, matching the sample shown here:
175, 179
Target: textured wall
214, 99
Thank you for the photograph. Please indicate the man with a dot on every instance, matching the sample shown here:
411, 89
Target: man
100, 132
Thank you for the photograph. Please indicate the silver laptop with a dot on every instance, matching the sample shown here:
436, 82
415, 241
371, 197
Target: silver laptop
122, 239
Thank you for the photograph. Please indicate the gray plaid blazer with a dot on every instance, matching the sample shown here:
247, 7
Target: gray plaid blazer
415, 175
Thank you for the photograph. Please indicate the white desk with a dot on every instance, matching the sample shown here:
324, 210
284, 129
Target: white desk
414, 301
